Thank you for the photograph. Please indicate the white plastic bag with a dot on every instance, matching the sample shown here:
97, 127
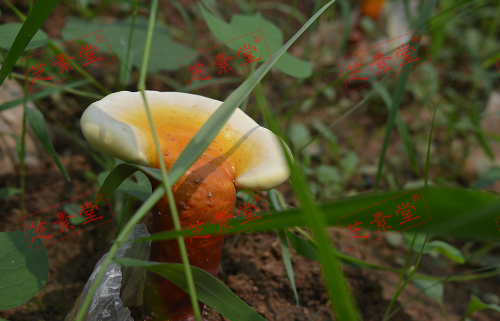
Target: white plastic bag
107, 304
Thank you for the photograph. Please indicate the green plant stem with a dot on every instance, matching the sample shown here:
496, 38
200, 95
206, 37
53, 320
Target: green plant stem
400, 289
430, 136
22, 173
70, 90
125, 69
166, 182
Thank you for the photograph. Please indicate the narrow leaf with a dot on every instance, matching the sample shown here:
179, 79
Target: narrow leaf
37, 123
432, 289
33, 22
475, 305
8, 191
210, 290
488, 177
302, 246
288, 262
41, 94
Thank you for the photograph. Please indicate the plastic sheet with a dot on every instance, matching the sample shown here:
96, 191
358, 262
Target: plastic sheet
107, 304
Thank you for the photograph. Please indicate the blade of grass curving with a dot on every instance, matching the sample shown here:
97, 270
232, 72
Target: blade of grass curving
472, 212
124, 71
345, 10
401, 275
34, 21
474, 117
414, 269
279, 205
211, 291
39, 95
430, 135
206, 134
37, 123
188, 20
288, 263
165, 179
67, 87
403, 131
426, 11
8, 191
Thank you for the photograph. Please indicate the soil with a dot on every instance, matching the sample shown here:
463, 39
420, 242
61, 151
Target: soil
251, 265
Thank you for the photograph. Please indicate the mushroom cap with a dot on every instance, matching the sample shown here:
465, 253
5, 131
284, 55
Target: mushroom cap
118, 126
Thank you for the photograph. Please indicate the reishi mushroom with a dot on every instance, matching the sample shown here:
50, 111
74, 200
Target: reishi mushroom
244, 155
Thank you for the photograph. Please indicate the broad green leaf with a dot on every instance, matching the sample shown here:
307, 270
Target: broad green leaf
209, 290
8, 191
23, 271
440, 247
475, 305
37, 123
432, 289
488, 177
9, 31
244, 24
41, 10
142, 191
165, 52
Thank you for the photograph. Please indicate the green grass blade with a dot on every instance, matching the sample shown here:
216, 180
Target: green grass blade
37, 123
288, 262
8, 191
165, 177
40, 95
125, 69
34, 21
430, 137
472, 213
403, 131
479, 133
210, 290
427, 8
